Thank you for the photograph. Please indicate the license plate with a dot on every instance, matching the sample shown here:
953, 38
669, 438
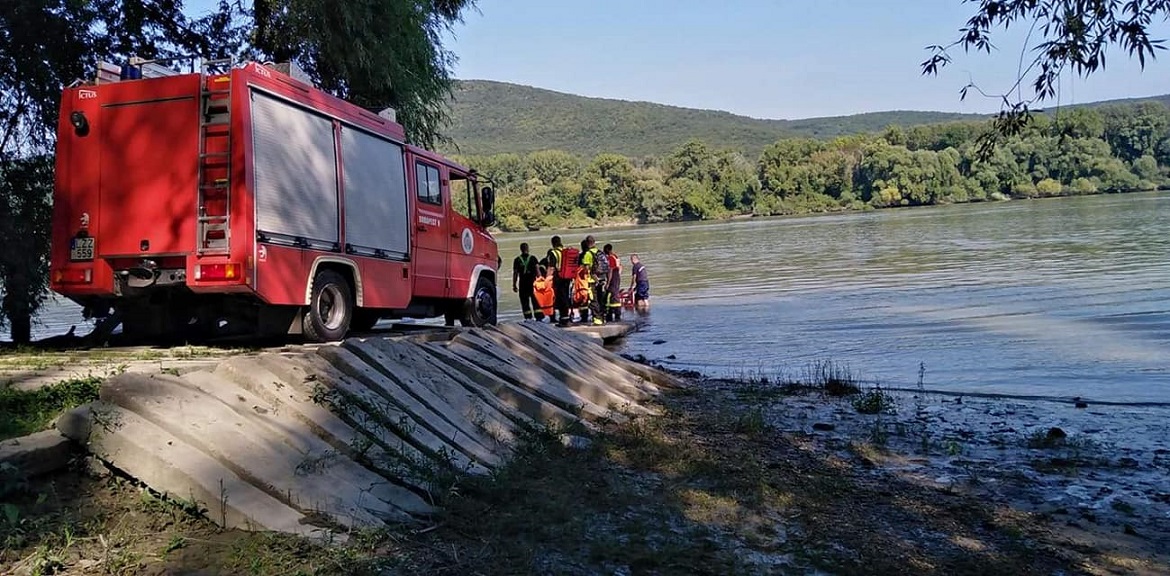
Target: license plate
81, 249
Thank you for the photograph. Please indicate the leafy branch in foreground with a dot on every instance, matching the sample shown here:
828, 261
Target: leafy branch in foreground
1074, 35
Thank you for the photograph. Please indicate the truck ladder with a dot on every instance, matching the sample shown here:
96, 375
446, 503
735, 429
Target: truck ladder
215, 156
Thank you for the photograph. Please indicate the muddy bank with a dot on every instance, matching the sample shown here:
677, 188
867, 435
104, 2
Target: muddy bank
1092, 481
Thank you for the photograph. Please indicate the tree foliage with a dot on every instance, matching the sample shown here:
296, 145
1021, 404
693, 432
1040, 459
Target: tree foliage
1074, 35
375, 53
1079, 151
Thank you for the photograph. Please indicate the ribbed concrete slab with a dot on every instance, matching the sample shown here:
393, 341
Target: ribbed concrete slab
37, 453
179, 470
357, 434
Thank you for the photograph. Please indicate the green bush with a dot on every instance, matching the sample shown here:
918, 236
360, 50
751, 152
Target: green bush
24, 412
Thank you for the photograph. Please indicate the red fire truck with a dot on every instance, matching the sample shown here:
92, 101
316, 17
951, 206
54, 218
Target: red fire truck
238, 198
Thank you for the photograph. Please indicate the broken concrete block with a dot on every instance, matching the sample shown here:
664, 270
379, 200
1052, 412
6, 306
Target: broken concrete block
37, 453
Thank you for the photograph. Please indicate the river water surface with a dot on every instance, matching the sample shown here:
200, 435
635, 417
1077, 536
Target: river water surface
1057, 298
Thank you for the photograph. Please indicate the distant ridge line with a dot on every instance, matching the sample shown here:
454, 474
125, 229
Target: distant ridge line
492, 117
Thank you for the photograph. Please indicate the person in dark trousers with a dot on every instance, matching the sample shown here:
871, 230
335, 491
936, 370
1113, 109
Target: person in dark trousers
524, 270
614, 290
598, 265
561, 286
583, 263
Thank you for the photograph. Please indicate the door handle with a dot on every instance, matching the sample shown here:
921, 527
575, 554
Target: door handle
421, 228
454, 235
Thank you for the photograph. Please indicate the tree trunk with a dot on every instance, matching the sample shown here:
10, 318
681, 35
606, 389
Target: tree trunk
21, 328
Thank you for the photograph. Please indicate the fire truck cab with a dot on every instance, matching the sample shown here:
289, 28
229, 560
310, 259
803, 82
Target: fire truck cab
239, 198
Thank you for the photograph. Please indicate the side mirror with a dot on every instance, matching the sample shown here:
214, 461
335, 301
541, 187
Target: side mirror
488, 197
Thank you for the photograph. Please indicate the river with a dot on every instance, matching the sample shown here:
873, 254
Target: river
1055, 298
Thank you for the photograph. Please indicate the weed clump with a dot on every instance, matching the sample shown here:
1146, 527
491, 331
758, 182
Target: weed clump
874, 401
26, 411
751, 423
832, 378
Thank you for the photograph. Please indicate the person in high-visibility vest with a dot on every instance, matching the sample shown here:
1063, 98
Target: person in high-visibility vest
561, 281
614, 290
524, 272
598, 266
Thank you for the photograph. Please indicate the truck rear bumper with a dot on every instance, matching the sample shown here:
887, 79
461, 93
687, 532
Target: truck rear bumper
119, 278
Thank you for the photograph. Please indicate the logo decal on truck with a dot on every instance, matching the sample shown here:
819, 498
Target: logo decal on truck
428, 220
86, 94
262, 253
468, 241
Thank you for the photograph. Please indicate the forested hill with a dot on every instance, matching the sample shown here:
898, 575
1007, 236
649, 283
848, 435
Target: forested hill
496, 117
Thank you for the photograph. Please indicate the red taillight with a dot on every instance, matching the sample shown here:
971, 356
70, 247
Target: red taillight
209, 272
74, 276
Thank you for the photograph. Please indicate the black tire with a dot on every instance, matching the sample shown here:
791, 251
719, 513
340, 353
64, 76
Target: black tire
364, 320
331, 308
481, 309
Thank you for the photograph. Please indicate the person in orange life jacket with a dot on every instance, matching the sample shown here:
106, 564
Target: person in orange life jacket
545, 295
598, 266
639, 284
524, 270
562, 284
614, 287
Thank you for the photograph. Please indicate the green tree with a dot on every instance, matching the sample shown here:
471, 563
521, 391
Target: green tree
1134, 131
691, 160
375, 53
551, 166
42, 46
783, 169
609, 188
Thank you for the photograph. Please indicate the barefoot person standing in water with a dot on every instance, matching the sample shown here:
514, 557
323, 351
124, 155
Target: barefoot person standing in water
639, 284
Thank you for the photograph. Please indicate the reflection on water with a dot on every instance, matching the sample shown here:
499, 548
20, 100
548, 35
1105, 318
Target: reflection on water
1064, 297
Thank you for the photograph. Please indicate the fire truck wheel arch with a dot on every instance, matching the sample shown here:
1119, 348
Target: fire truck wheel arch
476, 273
353, 267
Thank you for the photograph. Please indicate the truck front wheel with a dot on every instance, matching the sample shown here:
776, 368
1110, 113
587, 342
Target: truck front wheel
330, 308
481, 309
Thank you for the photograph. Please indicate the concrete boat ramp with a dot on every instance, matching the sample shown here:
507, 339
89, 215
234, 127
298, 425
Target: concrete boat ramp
357, 434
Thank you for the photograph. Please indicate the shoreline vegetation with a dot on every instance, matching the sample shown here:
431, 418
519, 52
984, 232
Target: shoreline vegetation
817, 473
1079, 151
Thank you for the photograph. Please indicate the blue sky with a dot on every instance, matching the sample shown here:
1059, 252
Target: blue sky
766, 59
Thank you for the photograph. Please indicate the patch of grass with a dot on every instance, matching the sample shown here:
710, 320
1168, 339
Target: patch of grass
752, 422
833, 378
23, 412
874, 401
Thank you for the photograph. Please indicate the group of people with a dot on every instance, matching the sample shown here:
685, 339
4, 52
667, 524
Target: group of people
577, 285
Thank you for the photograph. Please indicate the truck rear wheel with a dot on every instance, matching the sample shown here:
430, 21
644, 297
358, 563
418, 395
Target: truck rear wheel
330, 308
481, 308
